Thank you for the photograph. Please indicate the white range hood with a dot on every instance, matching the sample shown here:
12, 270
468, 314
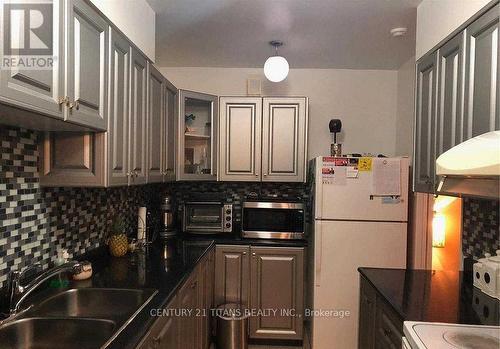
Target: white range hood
471, 168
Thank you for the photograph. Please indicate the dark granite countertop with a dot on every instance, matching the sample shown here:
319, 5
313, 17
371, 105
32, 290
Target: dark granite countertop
434, 296
164, 267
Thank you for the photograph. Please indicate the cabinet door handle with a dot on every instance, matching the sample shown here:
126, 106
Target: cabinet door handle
75, 105
63, 100
156, 341
254, 254
244, 253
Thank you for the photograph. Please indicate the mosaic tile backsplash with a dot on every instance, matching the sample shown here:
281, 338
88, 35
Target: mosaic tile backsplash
481, 227
35, 222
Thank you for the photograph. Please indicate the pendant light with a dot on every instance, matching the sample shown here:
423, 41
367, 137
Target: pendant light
276, 67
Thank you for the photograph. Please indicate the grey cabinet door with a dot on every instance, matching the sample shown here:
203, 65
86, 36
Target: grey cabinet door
72, 159
450, 94
164, 334
232, 279
86, 65
367, 315
240, 139
156, 125
138, 118
188, 300
277, 282
425, 125
118, 116
482, 75
284, 140
38, 90
170, 131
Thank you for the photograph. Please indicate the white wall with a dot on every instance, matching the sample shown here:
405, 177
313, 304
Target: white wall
365, 100
405, 108
436, 19
135, 18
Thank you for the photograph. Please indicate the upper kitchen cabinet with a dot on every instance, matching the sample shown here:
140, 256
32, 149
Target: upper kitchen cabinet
284, 141
171, 107
450, 94
197, 139
425, 125
263, 139
161, 127
138, 117
86, 66
72, 85
40, 90
156, 125
139, 143
482, 75
457, 95
240, 138
118, 101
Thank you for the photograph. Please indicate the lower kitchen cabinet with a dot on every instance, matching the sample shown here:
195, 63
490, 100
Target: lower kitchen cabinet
164, 333
191, 329
380, 327
273, 278
367, 303
277, 283
189, 325
206, 299
233, 274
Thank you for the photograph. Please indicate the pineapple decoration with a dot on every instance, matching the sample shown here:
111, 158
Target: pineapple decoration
118, 242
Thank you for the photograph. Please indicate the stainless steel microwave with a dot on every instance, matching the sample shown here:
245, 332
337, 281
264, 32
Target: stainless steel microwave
207, 217
273, 220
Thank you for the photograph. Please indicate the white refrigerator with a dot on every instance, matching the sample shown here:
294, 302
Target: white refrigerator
360, 212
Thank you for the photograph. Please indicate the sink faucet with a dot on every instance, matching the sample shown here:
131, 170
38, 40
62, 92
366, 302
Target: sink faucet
17, 293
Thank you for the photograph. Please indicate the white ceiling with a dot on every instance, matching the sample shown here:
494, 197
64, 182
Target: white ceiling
343, 34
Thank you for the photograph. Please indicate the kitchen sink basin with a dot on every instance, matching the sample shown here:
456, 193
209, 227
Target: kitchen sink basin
56, 333
105, 303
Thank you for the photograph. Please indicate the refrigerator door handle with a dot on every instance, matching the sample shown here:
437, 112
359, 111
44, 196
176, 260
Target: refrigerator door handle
319, 250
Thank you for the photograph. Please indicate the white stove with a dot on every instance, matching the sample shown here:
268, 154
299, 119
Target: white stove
434, 335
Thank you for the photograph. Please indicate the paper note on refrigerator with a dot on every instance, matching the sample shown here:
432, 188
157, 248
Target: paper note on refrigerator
386, 180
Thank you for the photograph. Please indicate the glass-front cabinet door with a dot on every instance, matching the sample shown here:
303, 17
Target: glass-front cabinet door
197, 152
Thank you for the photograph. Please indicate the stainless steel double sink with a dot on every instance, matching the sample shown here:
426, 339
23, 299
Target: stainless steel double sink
85, 318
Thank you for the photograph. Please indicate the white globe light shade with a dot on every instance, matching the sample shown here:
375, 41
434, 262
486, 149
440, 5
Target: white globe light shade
276, 68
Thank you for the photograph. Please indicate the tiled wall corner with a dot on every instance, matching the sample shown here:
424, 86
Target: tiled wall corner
35, 222
481, 227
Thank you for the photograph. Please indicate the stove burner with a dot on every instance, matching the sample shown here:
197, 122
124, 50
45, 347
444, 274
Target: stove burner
469, 340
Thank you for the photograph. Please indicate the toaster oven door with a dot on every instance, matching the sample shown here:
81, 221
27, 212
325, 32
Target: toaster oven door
203, 218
